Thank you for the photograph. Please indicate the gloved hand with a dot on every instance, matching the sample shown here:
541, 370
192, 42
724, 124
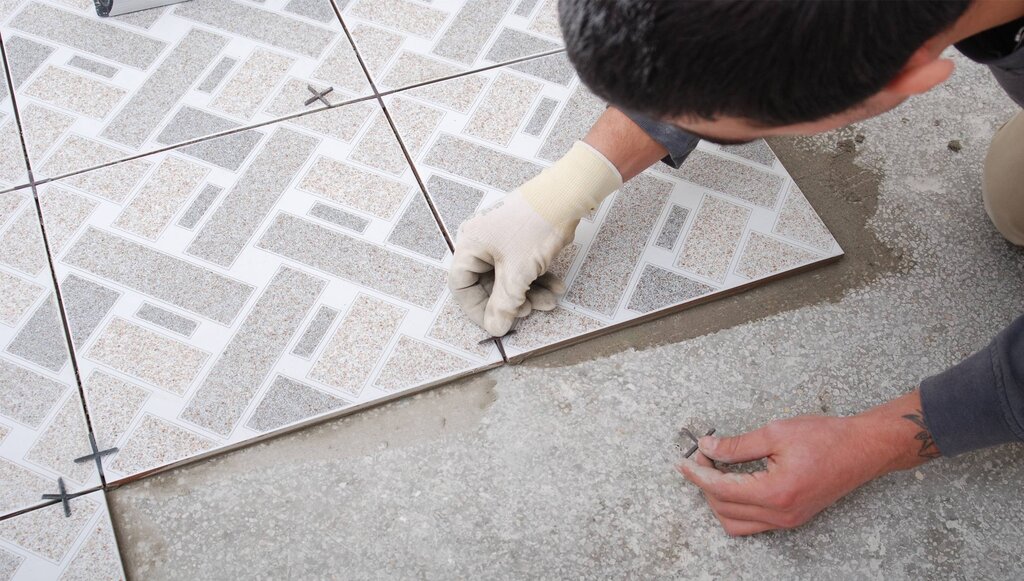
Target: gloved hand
502, 254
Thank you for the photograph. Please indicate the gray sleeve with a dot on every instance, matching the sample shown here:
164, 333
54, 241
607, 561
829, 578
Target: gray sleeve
979, 402
678, 142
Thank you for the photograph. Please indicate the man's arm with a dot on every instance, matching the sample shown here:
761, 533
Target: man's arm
980, 402
813, 461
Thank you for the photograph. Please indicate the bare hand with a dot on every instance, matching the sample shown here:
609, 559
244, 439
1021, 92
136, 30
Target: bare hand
812, 461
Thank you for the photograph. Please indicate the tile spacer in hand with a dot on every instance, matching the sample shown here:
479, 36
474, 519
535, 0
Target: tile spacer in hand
511, 331
96, 455
318, 95
63, 496
694, 439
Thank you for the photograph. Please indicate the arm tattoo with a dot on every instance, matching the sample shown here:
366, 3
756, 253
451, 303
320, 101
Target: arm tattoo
928, 448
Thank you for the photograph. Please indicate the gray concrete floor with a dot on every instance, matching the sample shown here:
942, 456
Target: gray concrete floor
562, 466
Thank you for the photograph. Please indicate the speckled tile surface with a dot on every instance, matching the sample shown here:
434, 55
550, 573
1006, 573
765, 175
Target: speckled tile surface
42, 424
44, 544
727, 217
210, 305
405, 42
198, 68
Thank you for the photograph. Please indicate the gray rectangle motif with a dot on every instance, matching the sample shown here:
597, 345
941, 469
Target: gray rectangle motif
159, 275
604, 275
260, 25
251, 199
353, 259
41, 339
166, 319
315, 332
168, 83
250, 356
90, 35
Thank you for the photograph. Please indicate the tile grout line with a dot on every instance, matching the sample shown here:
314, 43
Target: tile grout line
355, 49
65, 326
363, 99
200, 140
405, 151
49, 503
514, 61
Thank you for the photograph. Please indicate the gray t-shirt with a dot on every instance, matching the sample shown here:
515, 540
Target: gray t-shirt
980, 401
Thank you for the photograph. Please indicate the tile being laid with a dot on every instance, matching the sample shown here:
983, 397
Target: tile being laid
209, 304
666, 240
406, 42
45, 544
40, 408
184, 72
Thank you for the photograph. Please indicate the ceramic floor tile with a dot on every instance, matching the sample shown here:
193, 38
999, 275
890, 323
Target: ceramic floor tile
405, 42
198, 68
13, 169
44, 544
209, 305
668, 238
42, 422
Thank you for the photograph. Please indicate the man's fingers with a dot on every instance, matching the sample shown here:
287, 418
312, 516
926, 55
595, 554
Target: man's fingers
541, 298
735, 527
733, 487
550, 281
508, 296
525, 308
749, 512
473, 300
742, 528
466, 269
743, 448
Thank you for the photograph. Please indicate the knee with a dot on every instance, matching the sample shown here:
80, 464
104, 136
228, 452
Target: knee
1003, 181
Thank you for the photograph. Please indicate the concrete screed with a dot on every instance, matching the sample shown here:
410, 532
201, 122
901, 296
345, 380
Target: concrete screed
562, 466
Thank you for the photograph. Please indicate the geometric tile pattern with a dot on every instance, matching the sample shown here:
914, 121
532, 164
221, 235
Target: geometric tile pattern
729, 216
232, 261
404, 42
44, 544
42, 421
92, 90
208, 306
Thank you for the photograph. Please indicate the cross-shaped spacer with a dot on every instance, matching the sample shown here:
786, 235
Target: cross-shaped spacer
318, 95
63, 496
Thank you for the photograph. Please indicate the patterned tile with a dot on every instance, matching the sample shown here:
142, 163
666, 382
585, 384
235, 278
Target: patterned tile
42, 425
94, 90
44, 544
13, 169
406, 42
668, 237
210, 305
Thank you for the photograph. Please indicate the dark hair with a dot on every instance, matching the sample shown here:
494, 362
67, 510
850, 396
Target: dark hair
772, 62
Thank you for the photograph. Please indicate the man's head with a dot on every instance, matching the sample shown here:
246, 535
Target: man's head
735, 70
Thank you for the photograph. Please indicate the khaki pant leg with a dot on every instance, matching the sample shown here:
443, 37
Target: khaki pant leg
1002, 183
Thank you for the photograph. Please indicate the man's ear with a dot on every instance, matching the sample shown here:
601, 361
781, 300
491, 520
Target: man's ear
923, 71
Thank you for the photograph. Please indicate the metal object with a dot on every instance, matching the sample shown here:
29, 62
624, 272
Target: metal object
63, 496
319, 95
511, 331
693, 439
96, 455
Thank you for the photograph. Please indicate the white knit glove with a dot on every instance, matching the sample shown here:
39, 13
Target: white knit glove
503, 252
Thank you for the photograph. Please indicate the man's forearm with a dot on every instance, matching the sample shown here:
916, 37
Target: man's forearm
624, 143
897, 434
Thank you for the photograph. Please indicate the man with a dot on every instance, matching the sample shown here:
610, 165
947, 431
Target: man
731, 72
